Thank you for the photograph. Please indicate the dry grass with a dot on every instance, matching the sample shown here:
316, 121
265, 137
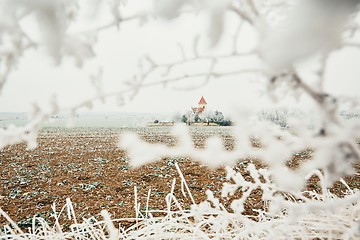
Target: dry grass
85, 165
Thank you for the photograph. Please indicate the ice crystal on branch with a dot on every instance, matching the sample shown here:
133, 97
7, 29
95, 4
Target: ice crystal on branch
288, 36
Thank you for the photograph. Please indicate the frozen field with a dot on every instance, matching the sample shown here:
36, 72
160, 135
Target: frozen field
85, 165
106, 119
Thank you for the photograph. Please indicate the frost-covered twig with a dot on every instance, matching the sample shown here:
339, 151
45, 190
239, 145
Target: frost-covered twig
288, 211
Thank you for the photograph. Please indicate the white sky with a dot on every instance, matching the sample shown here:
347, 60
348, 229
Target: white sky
37, 78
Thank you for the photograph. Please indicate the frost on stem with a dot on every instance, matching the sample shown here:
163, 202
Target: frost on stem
334, 149
316, 27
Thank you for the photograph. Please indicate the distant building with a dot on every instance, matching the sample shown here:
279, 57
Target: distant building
201, 106
200, 116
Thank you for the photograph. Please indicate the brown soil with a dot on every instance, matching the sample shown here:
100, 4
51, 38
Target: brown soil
86, 166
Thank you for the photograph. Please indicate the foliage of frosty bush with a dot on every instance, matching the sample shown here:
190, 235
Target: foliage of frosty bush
327, 27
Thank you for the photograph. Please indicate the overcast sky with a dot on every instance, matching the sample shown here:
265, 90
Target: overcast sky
37, 78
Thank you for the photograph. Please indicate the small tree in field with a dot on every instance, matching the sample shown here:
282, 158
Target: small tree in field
294, 41
184, 119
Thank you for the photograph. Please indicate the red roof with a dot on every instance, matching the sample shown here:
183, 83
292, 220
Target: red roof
202, 101
197, 110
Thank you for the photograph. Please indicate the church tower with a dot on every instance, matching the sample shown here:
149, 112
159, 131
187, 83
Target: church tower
202, 104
